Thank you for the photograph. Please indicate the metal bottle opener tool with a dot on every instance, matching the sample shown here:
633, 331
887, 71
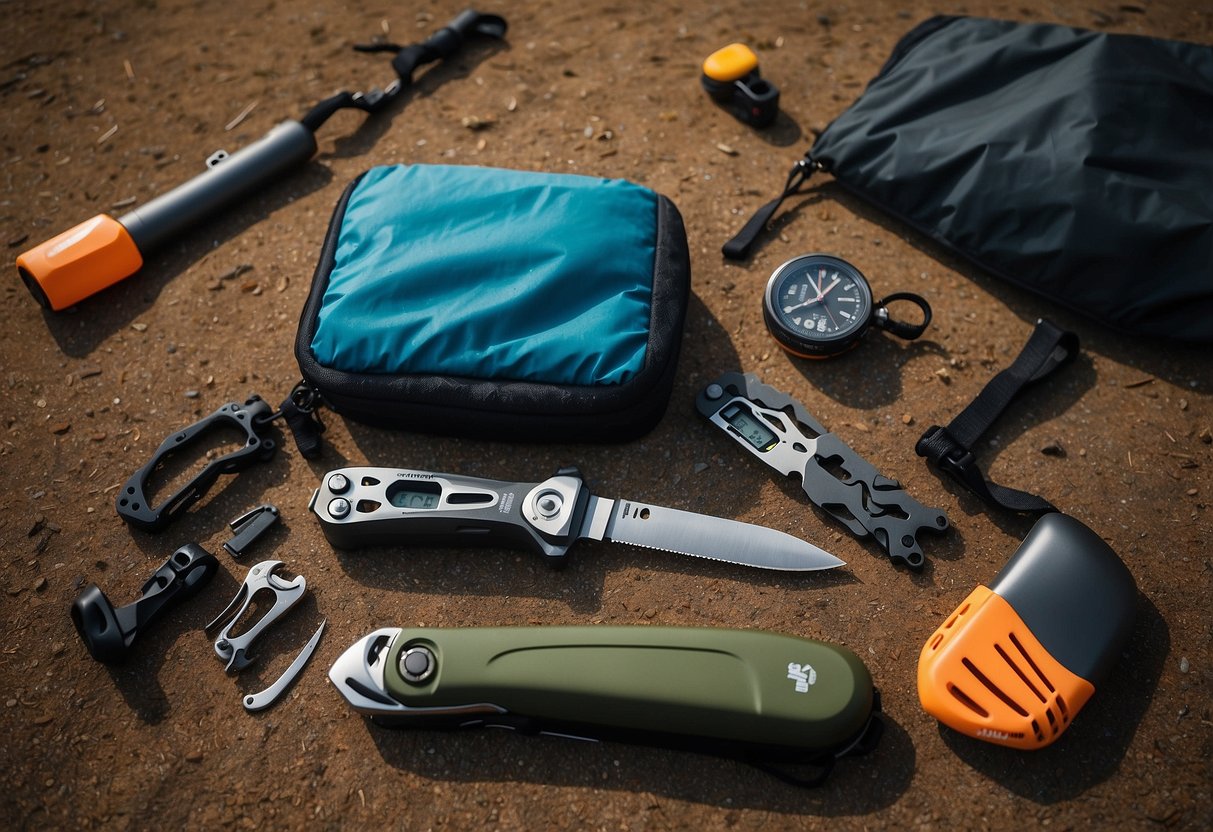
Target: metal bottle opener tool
387, 506
234, 649
779, 430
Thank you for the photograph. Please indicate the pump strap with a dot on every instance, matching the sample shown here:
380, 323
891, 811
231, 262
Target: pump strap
445, 42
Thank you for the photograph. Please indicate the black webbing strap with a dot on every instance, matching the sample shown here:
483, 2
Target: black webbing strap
739, 247
442, 44
950, 448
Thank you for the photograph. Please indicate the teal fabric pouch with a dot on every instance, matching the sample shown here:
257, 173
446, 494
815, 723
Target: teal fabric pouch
498, 303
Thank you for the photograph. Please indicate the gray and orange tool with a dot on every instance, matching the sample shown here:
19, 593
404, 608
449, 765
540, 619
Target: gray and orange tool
98, 253
1017, 660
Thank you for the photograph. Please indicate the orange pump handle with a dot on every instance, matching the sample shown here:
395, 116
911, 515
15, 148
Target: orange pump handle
79, 262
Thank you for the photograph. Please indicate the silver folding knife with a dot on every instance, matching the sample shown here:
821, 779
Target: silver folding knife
388, 506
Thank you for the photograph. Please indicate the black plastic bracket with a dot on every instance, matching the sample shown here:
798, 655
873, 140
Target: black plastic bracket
252, 417
108, 631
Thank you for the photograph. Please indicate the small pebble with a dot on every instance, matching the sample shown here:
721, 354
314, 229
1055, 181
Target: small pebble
194, 757
1053, 448
1184, 666
192, 394
726, 149
40, 585
138, 327
700, 467
61, 428
907, 419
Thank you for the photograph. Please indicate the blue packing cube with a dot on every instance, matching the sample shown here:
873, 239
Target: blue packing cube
498, 304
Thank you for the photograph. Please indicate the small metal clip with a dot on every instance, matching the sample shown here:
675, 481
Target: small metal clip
234, 649
248, 527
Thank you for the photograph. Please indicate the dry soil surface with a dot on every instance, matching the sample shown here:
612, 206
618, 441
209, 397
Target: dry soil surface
110, 103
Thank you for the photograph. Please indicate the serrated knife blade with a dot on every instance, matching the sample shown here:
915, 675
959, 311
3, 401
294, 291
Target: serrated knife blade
701, 535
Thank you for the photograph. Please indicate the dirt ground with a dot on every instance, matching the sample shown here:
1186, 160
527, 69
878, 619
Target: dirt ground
110, 103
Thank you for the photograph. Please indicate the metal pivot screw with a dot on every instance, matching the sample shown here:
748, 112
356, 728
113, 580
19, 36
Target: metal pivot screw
339, 483
549, 505
417, 664
339, 508
714, 391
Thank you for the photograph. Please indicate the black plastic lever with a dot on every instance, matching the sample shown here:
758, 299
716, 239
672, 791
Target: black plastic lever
109, 631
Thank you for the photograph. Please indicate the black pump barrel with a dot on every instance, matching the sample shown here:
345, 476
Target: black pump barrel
286, 146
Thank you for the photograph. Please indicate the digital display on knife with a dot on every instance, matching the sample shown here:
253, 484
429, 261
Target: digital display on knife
414, 494
750, 427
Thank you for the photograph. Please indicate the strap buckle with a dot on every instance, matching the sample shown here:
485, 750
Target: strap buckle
941, 448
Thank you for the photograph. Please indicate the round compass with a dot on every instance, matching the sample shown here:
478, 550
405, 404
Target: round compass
818, 305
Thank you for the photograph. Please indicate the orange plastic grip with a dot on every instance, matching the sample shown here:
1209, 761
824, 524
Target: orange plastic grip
985, 674
79, 262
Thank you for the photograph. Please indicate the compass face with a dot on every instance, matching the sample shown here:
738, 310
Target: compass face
817, 305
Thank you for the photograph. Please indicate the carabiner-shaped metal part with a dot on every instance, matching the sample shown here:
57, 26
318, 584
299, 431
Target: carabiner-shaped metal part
250, 417
234, 649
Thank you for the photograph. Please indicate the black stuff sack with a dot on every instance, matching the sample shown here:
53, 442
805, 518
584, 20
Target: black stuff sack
497, 304
1075, 164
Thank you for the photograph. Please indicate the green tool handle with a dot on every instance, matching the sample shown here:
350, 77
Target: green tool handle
743, 693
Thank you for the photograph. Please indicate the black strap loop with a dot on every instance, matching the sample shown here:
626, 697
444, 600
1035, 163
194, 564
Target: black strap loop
298, 410
738, 248
950, 448
902, 329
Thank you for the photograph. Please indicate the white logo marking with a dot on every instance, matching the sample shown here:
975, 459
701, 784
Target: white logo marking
803, 675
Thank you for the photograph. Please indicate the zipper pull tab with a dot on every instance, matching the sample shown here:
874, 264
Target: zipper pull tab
299, 412
738, 248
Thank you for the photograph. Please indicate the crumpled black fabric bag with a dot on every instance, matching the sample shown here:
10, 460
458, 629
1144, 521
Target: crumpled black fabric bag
1076, 164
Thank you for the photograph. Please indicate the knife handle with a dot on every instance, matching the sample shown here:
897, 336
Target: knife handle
746, 693
366, 506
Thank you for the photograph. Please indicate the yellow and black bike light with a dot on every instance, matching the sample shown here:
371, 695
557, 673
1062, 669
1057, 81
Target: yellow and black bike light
731, 78
98, 253
1017, 660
